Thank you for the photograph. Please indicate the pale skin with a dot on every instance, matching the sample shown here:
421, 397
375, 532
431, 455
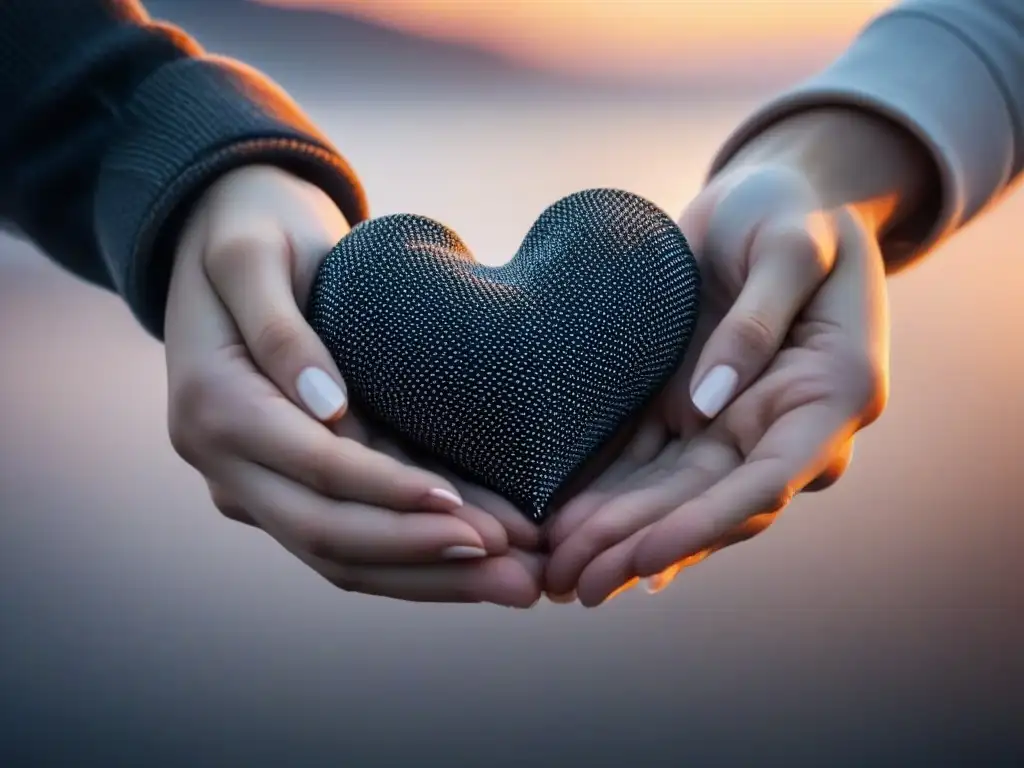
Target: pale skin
787, 236
795, 304
300, 467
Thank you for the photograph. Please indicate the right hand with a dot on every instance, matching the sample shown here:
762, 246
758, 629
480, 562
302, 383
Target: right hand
259, 408
794, 308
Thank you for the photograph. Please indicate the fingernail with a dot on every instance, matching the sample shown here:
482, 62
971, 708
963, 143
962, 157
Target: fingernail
563, 599
447, 501
715, 390
462, 552
320, 394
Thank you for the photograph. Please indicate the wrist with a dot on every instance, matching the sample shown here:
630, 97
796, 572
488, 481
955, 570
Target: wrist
853, 159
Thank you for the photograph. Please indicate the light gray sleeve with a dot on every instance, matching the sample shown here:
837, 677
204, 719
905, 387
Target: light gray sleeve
950, 71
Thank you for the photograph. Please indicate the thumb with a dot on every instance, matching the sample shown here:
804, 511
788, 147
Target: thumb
789, 259
252, 276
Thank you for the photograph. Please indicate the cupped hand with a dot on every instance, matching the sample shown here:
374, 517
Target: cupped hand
789, 361
257, 405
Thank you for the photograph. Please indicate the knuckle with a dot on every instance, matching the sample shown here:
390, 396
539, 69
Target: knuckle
755, 338
198, 417
309, 535
702, 475
228, 507
608, 530
853, 379
866, 383
824, 481
219, 497
235, 252
875, 396
275, 340
776, 498
312, 536
347, 578
325, 471
182, 441
808, 250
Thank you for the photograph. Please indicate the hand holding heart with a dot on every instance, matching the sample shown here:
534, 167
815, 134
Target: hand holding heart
515, 376
258, 407
795, 308
352, 504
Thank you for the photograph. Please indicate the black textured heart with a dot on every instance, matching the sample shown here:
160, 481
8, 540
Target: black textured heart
513, 376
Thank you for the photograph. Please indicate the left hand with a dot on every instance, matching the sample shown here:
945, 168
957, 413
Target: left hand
279, 450
780, 273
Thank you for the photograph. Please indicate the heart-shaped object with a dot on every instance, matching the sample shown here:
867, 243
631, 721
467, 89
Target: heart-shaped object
514, 376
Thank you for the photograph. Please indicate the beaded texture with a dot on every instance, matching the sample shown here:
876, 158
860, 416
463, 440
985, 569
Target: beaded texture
513, 376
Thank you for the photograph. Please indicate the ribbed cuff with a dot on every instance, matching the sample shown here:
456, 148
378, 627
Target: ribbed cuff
186, 125
919, 72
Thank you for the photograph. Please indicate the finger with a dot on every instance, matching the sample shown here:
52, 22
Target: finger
744, 532
801, 443
493, 516
609, 575
602, 578
789, 256
488, 507
629, 475
855, 301
661, 581
794, 450
705, 463
346, 531
512, 580
835, 470
228, 506
251, 271
282, 439
197, 326
648, 450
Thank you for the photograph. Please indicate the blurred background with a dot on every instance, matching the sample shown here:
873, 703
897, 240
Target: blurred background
880, 623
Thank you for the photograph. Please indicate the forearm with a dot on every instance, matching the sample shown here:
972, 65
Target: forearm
113, 124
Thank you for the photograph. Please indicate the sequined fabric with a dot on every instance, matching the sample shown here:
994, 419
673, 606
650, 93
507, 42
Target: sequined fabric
515, 375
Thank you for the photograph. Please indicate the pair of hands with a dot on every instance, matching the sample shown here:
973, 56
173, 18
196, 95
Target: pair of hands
788, 362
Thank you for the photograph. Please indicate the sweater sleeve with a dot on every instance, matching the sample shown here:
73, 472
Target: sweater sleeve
113, 124
952, 73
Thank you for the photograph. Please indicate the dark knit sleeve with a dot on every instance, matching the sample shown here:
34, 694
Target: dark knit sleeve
113, 124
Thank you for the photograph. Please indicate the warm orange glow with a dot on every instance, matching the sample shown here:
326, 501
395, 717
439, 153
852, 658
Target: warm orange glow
661, 581
624, 588
625, 37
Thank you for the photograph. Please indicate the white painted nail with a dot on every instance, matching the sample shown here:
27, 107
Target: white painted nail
715, 390
462, 552
320, 394
449, 499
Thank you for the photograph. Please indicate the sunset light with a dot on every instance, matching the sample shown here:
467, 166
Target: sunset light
626, 38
